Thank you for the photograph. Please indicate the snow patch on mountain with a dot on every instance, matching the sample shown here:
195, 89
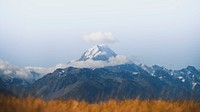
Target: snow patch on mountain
150, 70
98, 52
193, 85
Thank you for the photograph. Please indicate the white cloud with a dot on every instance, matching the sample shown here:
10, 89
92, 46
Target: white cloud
25, 72
87, 64
40, 70
12, 70
119, 59
22, 72
7, 72
100, 37
61, 65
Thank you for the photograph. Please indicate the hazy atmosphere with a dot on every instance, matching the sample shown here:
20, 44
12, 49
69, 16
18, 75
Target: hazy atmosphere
47, 32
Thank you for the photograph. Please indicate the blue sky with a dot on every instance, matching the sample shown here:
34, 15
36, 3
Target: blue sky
47, 32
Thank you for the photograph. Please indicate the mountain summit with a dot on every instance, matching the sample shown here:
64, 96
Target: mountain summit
98, 52
99, 75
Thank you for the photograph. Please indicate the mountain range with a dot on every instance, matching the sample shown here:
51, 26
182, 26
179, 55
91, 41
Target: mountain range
100, 74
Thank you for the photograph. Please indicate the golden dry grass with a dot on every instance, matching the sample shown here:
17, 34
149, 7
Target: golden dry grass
12, 104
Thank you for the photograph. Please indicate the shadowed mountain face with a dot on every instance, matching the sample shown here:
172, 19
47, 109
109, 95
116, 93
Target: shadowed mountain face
120, 81
13, 86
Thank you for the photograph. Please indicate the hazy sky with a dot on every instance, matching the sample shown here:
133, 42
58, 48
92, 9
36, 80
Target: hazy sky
47, 32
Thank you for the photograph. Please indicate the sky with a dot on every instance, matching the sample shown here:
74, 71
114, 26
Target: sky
47, 32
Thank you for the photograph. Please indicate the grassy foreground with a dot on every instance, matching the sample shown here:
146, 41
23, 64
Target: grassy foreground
12, 104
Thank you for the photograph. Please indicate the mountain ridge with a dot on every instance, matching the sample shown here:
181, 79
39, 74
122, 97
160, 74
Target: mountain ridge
101, 74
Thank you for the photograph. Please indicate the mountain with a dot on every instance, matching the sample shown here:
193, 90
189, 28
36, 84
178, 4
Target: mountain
114, 82
98, 52
190, 76
15, 80
93, 85
97, 57
101, 74
30, 74
117, 81
13, 86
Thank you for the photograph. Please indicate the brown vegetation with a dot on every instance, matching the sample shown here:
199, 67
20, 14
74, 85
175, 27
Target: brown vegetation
13, 104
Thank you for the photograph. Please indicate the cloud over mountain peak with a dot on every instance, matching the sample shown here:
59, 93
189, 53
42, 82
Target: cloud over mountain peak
100, 37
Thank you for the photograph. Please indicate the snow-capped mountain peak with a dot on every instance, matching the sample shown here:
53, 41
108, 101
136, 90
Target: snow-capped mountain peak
98, 52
